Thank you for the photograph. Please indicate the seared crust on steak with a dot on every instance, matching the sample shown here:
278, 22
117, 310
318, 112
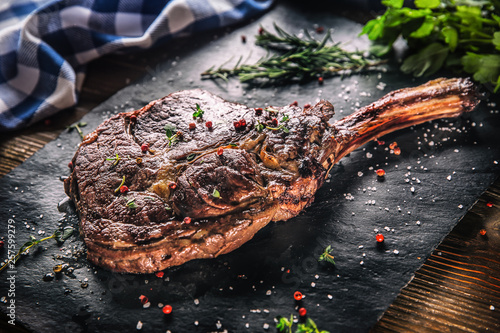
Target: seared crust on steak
187, 198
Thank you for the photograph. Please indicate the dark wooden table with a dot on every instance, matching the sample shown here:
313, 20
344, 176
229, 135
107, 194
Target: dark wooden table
451, 292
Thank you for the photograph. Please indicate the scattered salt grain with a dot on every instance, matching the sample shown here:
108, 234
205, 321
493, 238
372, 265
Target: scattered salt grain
449, 177
265, 326
396, 252
139, 325
492, 307
218, 324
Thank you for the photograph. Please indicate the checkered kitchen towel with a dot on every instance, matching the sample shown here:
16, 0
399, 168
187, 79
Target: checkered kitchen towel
45, 44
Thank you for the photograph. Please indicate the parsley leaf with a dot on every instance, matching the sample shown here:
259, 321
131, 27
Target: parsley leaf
199, 112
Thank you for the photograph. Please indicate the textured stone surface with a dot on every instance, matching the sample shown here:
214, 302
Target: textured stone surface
233, 289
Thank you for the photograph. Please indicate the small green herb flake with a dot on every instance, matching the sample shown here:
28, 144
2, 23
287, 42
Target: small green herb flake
461, 36
216, 193
285, 118
116, 159
327, 256
121, 184
171, 137
131, 204
59, 235
199, 112
259, 127
285, 325
191, 157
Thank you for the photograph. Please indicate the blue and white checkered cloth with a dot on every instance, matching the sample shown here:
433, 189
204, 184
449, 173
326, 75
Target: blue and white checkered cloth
46, 44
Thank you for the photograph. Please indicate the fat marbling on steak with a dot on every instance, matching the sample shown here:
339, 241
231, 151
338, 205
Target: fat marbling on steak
206, 191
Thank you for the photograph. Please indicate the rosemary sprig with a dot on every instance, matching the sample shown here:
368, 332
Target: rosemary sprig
327, 256
58, 235
78, 128
296, 59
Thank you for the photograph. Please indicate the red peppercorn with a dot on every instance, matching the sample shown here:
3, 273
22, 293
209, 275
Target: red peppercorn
167, 309
295, 103
297, 296
133, 117
380, 172
47, 122
2, 244
489, 204
380, 142
159, 274
393, 145
144, 147
307, 106
320, 80
379, 238
261, 31
143, 299
243, 39
187, 220
482, 232
397, 151
243, 123
172, 185
258, 111
70, 165
274, 122
237, 124
220, 151
192, 126
320, 30
302, 312
208, 124
123, 189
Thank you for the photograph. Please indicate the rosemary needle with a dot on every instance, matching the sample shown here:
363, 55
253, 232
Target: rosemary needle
295, 59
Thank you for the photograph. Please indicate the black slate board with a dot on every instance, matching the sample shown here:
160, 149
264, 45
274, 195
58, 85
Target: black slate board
255, 283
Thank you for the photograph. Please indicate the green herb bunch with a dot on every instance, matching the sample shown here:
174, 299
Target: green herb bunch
461, 35
285, 325
295, 59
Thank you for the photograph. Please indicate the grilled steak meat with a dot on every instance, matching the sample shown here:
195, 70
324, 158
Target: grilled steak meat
198, 191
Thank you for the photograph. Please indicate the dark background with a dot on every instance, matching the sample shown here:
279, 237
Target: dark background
233, 289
